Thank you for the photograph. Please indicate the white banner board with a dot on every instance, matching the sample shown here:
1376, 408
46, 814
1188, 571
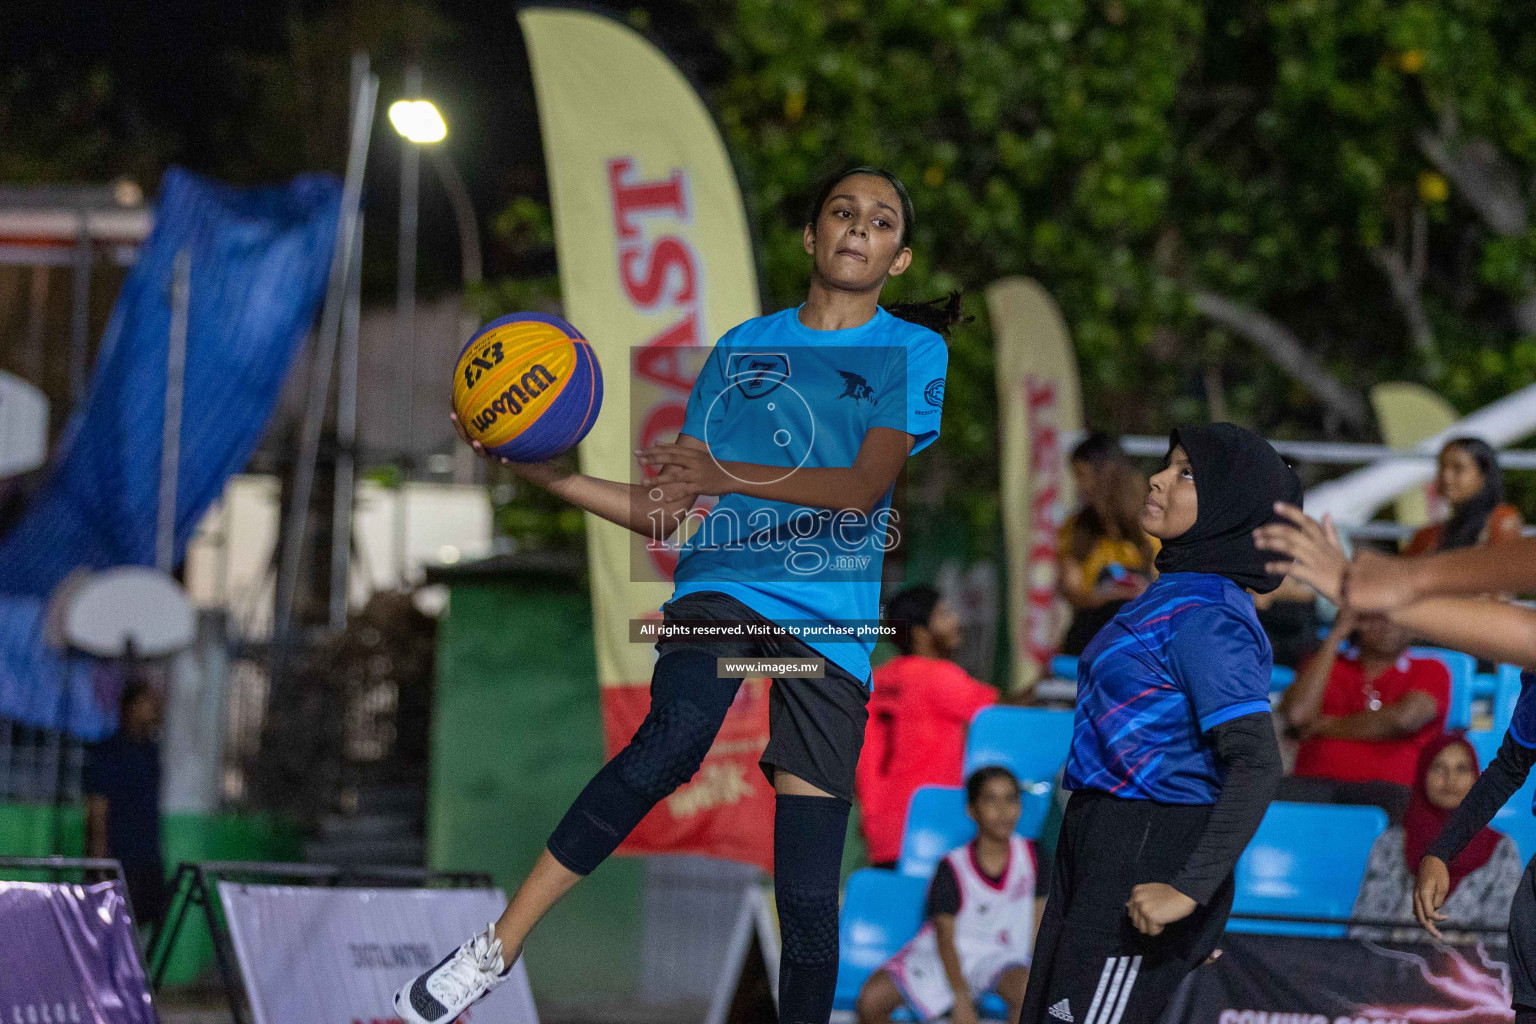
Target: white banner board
335, 956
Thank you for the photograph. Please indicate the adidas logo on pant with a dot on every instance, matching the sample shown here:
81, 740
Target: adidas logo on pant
1062, 1011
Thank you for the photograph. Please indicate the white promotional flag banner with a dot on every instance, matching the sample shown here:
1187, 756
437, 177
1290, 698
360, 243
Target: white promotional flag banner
336, 956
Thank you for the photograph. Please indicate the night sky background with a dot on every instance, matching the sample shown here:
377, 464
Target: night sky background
174, 93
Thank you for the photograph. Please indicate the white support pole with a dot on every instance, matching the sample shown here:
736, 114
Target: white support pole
325, 352
170, 435
405, 326
346, 441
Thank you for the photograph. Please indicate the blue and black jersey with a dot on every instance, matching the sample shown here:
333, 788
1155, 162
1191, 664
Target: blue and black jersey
1181, 659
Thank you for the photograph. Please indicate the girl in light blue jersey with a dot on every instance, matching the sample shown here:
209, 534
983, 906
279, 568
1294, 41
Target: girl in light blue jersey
800, 423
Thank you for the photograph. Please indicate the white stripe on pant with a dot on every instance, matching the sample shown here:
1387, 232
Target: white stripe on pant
1118, 976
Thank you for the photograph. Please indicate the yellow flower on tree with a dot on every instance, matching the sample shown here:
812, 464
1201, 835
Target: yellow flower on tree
794, 105
1433, 188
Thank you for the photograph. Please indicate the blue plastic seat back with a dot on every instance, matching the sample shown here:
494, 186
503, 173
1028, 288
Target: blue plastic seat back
1030, 742
881, 911
1462, 667
1486, 743
1306, 860
937, 823
1515, 819
1506, 694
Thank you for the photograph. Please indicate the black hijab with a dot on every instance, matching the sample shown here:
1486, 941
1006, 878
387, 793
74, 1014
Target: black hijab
1465, 527
1238, 479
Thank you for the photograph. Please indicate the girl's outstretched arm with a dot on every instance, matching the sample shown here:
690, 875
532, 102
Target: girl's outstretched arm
1378, 582
1483, 627
1403, 588
638, 507
692, 468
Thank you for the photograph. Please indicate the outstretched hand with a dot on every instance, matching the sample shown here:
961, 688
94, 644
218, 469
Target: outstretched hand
1314, 555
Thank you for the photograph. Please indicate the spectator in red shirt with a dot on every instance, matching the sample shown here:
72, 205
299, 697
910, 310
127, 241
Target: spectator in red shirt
1362, 718
920, 708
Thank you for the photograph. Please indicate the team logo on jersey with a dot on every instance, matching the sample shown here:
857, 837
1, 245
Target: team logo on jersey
758, 373
856, 387
933, 394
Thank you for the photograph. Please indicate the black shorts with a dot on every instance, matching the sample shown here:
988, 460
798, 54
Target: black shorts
1090, 962
815, 726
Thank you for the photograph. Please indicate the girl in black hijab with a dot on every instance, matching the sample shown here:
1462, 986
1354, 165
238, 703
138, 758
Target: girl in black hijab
1173, 758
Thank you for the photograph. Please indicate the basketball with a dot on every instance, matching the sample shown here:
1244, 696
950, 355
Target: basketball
527, 387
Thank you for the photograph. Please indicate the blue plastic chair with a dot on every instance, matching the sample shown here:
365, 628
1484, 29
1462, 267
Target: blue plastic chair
881, 911
1516, 820
937, 823
1305, 860
1486, 743
1505, 695
1030, 742
1462, 667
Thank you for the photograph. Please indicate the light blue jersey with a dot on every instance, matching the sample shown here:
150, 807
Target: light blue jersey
776, 393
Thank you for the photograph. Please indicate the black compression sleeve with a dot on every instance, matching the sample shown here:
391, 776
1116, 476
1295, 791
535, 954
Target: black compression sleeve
1492, 790
1249, 758
943, 892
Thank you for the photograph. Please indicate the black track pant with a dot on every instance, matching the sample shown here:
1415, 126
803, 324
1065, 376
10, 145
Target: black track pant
1091, 966
1522, 946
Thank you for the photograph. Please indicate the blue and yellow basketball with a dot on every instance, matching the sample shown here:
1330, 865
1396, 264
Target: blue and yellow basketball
527, 387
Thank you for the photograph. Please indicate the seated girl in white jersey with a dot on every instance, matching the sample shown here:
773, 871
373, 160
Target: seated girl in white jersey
980, 923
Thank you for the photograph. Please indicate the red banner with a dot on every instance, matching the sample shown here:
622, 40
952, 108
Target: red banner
655, 264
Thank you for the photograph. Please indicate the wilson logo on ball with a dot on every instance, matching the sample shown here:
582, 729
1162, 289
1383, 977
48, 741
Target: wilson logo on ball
517, 396
527, 387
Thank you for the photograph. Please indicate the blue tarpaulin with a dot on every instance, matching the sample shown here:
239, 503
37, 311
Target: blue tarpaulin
259, 265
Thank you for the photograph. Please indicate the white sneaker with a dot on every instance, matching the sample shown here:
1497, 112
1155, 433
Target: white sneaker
460, 980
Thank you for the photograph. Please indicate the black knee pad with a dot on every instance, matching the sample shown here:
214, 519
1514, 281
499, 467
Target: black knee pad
688, 703
808, 923
667, 749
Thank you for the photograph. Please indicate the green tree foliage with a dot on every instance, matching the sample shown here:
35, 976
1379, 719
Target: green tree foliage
1355, 173
62, 127
1037, 141
297, 102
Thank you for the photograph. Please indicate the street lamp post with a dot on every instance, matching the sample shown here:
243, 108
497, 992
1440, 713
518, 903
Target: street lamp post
420, 124
405, 297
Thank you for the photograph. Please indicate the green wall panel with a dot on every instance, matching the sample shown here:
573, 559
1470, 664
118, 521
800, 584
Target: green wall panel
516, 733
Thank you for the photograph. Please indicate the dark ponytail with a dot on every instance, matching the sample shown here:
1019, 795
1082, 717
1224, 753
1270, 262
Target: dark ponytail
938, 315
